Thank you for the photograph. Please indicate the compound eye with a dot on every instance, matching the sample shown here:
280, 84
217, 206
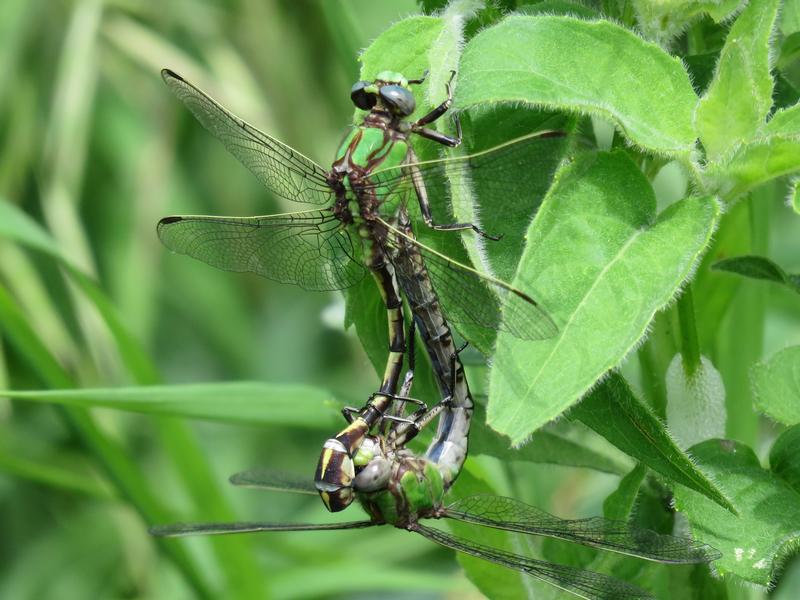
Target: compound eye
398, 99
360, 97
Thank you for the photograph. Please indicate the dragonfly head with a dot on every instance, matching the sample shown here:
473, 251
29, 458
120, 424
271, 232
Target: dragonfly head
334, 476
390, 91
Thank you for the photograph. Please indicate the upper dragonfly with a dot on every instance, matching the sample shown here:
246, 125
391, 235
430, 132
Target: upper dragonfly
374, 174
364, 226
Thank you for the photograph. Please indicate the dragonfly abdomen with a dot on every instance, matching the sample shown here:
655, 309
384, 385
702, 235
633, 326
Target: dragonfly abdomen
448, 450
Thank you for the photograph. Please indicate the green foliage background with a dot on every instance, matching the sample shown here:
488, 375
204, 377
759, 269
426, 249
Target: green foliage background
94, 150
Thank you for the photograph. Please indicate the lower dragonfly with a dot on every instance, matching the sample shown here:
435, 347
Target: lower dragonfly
396, 487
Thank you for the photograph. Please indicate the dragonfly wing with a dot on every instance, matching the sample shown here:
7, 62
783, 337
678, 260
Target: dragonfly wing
471, 297
498, 171
283, 170
586, 584
509, 514
310, 249
276, 481
184, 529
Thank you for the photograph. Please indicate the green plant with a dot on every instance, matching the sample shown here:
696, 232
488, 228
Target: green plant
666, 208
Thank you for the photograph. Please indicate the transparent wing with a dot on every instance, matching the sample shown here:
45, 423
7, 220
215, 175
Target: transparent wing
284, 171
512, 515
310, 249
500, 170
277, 481
184, 529
586, 584
472, 297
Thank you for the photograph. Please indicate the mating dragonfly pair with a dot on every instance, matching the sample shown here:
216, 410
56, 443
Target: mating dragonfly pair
363, 226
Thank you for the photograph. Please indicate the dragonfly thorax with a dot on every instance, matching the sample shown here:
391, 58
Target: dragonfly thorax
414, 491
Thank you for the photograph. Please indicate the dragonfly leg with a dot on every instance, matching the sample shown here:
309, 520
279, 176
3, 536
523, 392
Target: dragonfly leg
420, 79
421, 418
425, 206
438, 137
349, 413
438, 111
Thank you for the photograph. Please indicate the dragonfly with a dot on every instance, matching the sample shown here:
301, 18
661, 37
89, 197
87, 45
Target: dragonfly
414, 495
362, 225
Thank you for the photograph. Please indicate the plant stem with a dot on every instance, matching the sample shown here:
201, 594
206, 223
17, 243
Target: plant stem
690, 347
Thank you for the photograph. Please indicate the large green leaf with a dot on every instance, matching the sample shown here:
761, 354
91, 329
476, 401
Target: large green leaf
564, 63
614, 412
737, 102
238, 402
755, 544
776, 385
602, 263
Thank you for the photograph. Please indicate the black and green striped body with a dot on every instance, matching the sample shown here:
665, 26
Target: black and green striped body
448, 449
373, 145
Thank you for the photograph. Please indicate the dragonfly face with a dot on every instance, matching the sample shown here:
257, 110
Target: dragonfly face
390, 92
334, 476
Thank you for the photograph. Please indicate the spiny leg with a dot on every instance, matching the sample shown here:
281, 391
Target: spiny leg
422, 418
416, 176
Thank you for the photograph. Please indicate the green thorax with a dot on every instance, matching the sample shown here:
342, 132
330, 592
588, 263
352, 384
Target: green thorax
415, 491
366, 150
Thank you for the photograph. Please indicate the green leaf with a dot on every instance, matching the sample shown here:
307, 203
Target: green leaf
695, 402
564, 63
601, 262
737, 102
758, 267
18, 226
793, 199
776, 385
755, 544
790, 18
755, 163
666, 19
238, 402
118, 466
784, 458
235, 556
614, 412
544, 447
54, 476
785, 121
559, 7
619, 503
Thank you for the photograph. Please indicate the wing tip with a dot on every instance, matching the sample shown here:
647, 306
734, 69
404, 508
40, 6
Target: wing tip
169, 220
168, 74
